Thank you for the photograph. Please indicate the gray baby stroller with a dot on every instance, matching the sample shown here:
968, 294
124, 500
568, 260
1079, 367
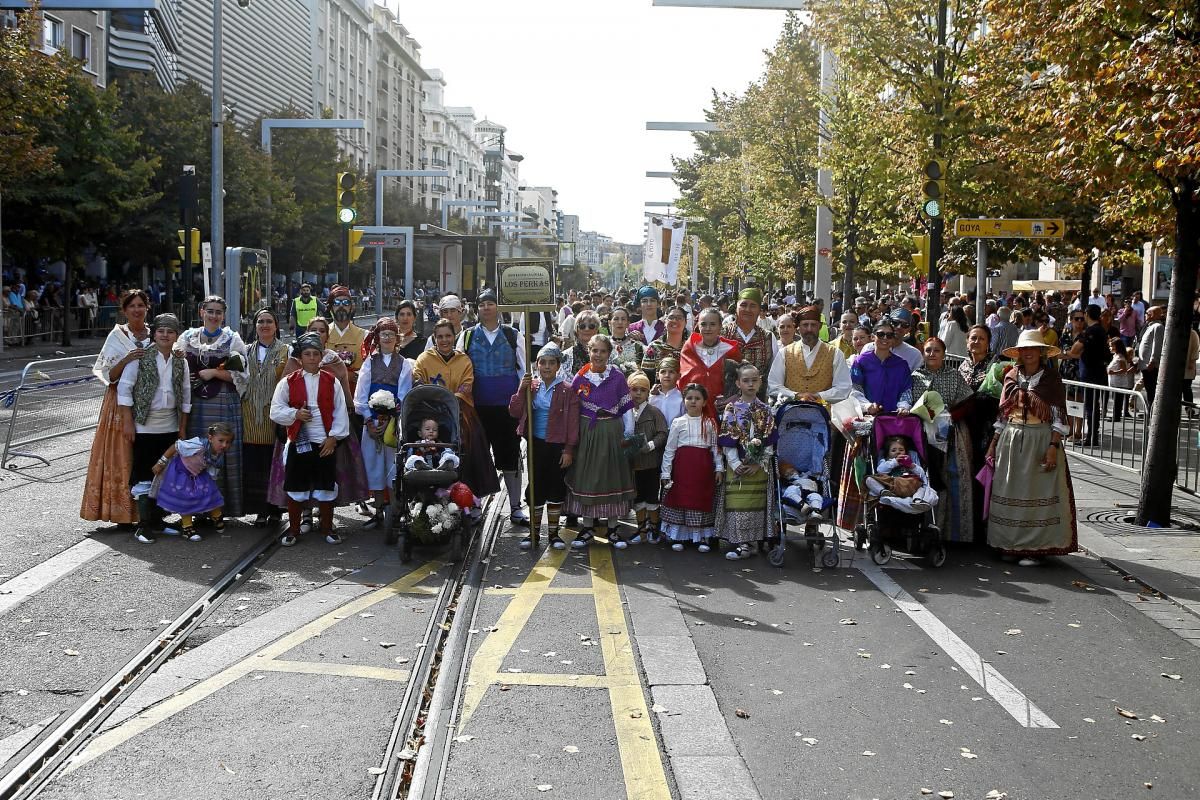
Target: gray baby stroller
802, 491
415, 492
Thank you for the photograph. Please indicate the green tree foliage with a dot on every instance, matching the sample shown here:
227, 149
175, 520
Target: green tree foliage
32, 87
1116, 81
101, 176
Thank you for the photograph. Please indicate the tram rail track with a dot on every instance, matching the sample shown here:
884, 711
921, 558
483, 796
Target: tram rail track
43, 758
413, 760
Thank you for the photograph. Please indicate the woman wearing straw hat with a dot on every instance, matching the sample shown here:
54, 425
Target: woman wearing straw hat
1031, 513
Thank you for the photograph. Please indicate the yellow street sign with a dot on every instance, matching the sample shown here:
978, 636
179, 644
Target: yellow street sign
1010, 228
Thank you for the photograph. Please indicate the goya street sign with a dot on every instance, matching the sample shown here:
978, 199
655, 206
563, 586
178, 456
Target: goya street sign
1010, 228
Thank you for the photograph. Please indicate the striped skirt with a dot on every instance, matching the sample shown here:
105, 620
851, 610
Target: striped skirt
746, 509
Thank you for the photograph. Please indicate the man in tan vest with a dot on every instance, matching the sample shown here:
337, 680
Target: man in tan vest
809, 369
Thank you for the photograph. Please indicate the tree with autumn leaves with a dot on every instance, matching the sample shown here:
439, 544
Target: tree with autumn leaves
1115, 80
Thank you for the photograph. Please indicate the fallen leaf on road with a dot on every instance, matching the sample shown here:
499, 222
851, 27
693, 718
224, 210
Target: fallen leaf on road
551, 654
71, 652
809, 740
945, 722
996, 794
366, 615
1126, 714
463, 738
838, 600
1089, 720
946, 795
570, 749
847, 621
968, 755
41, 633
864, 655
910, 672
504, 687
776, 691
1138, 737
742, 714
926, 791
544, 787
868, 753
1156, 718
658, 708
1074, 625
401, 660
1013, 632
1172, 677
386, 645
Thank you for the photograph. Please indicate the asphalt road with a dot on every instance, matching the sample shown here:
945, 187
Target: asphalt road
851, 682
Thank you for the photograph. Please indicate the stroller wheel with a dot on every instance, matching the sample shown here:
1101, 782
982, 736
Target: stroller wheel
882, 554
937, 555
861, 537
775, 556
830, 557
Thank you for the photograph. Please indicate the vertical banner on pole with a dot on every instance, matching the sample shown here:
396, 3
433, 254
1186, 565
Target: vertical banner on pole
663, 247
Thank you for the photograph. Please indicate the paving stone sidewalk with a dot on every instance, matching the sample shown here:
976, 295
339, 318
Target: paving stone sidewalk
1166, 560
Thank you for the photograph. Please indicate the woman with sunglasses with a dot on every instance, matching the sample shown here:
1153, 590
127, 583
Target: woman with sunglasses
217, 358
669, 344
882, 385
587, 325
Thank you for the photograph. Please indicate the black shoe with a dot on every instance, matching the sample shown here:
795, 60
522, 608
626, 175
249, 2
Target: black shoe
219, 524
144, 536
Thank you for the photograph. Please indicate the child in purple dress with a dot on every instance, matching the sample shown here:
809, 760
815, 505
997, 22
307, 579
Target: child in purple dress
186, 478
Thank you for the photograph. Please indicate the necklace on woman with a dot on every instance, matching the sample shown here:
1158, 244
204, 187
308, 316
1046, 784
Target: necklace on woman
708, 351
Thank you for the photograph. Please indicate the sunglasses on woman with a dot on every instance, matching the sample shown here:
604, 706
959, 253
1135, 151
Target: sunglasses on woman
885, 335
587, 326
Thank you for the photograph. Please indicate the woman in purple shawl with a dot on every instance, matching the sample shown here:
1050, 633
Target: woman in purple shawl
883, 384
600, 482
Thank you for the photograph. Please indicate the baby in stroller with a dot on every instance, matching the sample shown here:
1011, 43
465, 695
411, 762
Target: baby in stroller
802, 492
425, 454
900, 482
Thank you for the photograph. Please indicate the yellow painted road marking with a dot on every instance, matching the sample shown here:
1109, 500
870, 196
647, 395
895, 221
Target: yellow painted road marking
514, 590
485, 666
342, 670
262, 660
641, 760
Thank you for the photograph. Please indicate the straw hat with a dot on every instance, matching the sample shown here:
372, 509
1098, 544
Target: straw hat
1032, 339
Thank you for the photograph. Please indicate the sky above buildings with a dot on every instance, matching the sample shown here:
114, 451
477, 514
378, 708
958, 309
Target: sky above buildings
575, 82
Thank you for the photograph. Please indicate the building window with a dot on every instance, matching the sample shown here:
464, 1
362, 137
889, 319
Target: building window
81, 45
52, 33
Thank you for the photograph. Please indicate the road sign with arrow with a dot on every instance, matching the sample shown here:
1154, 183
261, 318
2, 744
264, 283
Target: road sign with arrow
1010, 228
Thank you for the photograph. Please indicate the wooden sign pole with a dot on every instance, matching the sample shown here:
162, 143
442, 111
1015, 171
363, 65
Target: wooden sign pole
523, 310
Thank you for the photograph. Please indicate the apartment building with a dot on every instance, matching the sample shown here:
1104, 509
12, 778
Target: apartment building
399, 77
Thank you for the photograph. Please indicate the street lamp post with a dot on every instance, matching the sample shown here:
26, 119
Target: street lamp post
217, 236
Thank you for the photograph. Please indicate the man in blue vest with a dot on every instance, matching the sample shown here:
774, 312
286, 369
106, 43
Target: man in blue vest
498, 357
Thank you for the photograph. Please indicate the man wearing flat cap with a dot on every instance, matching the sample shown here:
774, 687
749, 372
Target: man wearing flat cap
758, 347
498, 358
649, 327
809, 369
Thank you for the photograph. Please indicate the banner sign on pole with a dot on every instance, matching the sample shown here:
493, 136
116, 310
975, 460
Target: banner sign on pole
664, 245
525, 281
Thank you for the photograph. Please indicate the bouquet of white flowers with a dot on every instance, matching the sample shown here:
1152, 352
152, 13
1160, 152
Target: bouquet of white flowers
435, 519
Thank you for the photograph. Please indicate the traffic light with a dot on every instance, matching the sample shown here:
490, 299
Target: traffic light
933, 188
195, 247
347, 209
920, 258
355, 250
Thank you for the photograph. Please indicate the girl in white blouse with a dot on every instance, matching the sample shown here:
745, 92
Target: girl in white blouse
691, 469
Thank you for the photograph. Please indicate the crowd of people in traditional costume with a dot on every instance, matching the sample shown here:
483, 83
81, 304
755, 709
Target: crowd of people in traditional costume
647, 419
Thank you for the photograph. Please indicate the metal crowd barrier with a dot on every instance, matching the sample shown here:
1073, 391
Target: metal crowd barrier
1114, 428
56, 397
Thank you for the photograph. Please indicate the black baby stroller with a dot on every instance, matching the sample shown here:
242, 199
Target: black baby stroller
803, 449
418, 509
885, 527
